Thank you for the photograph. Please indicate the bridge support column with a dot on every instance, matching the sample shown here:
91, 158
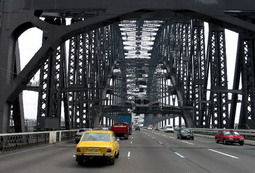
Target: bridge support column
173, 120
9, 69
4, 117
96, 119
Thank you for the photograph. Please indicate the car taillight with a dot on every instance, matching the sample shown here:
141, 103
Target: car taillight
108, 150
78, 150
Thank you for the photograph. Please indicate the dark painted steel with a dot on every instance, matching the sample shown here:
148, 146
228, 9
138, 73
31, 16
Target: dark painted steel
218, 112
96, 49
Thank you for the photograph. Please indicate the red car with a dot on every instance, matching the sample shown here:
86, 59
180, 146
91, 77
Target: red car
229, 136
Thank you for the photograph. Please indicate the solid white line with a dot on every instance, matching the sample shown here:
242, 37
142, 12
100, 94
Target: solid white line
179, 155
223, 154
188, 142
128, 155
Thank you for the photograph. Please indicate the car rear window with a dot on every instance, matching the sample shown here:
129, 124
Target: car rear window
230, 133
96, 137
185, 131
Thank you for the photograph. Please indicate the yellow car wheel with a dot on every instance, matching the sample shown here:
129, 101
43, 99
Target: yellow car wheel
111, 161
117, 155
80, 162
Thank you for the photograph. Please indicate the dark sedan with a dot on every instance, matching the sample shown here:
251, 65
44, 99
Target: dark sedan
185, 134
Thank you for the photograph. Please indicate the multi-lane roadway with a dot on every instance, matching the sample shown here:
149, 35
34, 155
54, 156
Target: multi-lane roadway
146, 151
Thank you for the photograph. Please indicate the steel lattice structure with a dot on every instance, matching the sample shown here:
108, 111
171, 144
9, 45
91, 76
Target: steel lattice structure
100, 59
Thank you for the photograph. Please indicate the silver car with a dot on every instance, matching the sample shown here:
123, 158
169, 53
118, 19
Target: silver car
169, 129
79, 133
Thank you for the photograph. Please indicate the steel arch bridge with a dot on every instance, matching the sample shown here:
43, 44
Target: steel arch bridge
127, 56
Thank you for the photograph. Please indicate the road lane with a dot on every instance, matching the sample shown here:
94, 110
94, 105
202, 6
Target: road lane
148, 155
145, 152
200, 154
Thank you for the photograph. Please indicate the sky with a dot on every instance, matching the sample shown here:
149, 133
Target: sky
30, 41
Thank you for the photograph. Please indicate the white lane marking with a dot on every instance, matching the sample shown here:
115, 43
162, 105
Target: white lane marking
132, 137
160, 142
224, 154
131, 142
188, 142
179, 155
128, 155
152, 137
171, 137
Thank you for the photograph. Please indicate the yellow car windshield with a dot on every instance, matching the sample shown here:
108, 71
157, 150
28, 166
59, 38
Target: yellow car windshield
96, 137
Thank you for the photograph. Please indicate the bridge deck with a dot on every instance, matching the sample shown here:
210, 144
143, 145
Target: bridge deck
145, 151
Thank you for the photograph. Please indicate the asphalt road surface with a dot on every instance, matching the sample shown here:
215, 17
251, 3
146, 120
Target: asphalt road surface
146, 151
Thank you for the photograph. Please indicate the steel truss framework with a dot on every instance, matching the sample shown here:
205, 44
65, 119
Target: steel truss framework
81, 85
116, 51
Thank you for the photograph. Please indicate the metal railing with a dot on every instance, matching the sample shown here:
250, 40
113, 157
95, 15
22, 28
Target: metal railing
248, 134
15, 141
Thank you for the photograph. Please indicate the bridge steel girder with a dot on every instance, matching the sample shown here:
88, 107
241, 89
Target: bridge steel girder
172, 47
199, 78
218, 111
52, 81
188, 70
92, 69
18, 16
244, 70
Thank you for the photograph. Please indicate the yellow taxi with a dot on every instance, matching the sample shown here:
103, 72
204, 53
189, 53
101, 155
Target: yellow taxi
97, 144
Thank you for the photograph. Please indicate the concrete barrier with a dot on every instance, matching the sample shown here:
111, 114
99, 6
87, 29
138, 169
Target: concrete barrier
16, 141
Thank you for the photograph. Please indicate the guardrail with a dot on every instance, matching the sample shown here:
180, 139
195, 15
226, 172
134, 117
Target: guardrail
248, 134
16, 141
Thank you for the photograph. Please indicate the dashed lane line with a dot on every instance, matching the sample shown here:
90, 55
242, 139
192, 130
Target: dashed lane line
188, 142
234, 157
128, 155
181, 156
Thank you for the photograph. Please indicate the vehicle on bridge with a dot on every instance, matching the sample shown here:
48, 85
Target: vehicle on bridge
150, 128
97, 144
168, 129
137, 128
125, 118
79, 133
229, 136
185, 133
121, 130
